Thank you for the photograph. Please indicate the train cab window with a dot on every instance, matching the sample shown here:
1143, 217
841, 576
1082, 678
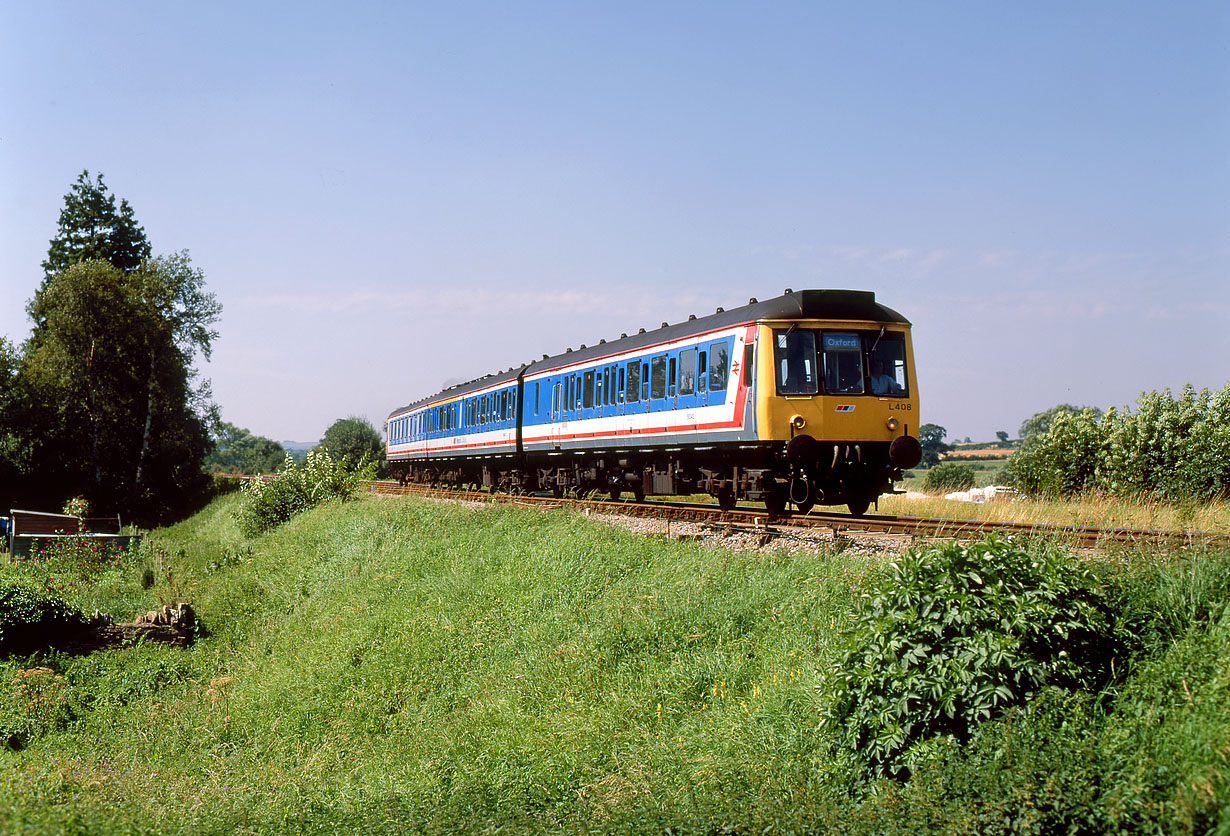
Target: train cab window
719, 366
843, 363
687, 372
794, 354
887, 366
657, 377
634, 382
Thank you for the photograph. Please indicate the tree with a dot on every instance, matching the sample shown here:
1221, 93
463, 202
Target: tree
174, 314
112, 409
111, 371
236, 450
948, 477
92, 228
15, 448
350, 440
1040, 422
1002, 435
931, 437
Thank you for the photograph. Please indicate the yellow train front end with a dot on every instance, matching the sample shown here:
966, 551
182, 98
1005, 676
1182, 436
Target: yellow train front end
837, 398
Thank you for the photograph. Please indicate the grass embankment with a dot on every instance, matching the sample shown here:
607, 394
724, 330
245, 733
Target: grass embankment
395, 665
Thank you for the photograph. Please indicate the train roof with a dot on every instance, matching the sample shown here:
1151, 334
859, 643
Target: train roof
466, 388
793, 304
801, 304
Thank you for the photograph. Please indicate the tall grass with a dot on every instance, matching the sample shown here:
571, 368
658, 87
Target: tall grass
1090, 510
456, 667
396, 665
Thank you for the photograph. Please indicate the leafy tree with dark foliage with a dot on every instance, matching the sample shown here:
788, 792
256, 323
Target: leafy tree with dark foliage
236, 450
107, 405
352, 439
92, 228
931, 437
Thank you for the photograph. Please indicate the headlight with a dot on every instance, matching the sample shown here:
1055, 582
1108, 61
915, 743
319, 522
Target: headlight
892, 424
798, 422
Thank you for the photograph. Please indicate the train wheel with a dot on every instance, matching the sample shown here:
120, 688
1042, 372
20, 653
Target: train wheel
858, 507
638, 494
615, 494
726, 499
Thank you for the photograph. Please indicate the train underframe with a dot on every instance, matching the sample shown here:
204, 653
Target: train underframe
785, 477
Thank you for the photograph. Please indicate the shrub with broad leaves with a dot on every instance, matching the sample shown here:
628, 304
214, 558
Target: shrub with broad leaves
956, 634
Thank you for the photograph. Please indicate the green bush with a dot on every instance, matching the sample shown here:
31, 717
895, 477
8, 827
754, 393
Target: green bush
949, 476
956, 634
1170, 448
30, 619
296, 488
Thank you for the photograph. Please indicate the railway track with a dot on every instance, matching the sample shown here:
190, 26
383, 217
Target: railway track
838, 523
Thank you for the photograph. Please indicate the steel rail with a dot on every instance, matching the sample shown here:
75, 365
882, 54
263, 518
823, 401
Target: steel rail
839, 523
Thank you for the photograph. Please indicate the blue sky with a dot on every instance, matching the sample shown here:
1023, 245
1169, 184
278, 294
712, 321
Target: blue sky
388, 197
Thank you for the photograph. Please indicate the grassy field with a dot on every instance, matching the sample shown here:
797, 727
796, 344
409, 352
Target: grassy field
399, 665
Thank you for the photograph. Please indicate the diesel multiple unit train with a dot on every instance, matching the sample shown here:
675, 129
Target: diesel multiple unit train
807, 398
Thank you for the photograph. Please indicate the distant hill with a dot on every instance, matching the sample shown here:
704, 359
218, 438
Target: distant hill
298, 449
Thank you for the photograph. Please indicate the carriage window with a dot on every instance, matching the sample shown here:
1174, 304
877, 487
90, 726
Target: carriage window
588, 392
888, 365
843, 363
794, 354
536, 396
670, 384
687, 372
620, 388
700, 373
634, 382
657, 377
719, 366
